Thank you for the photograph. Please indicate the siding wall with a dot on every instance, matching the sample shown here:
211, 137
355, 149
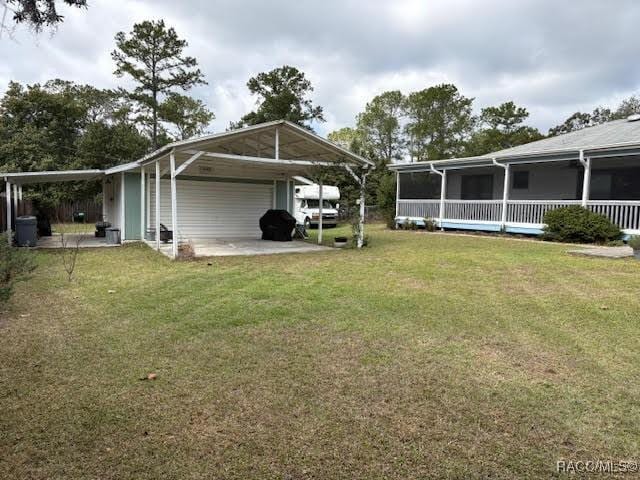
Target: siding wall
212, 208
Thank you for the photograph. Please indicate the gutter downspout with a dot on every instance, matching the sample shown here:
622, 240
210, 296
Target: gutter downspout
505, 191
443, 191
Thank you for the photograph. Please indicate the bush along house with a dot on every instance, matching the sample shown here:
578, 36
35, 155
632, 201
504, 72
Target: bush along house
511, 190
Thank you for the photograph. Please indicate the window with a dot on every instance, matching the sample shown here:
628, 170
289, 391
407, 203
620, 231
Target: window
521, 180
421, 185
316, 204
477, 187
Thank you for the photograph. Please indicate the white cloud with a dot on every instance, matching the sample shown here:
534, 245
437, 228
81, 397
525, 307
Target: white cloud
552, 57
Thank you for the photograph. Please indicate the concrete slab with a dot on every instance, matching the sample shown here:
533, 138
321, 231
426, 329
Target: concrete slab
219, 247
87, 240
605, 252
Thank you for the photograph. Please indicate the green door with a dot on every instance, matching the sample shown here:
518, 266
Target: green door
132, 214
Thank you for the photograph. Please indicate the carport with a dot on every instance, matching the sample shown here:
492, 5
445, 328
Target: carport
15, 181
212, 190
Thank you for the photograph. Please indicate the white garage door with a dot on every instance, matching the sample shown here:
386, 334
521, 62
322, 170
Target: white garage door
214, 209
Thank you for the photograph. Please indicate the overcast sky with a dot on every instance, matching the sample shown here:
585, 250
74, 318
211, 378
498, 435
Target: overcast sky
552, 57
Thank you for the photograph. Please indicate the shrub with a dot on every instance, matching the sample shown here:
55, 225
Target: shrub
576, 224
634, 242
430, 225
15, 265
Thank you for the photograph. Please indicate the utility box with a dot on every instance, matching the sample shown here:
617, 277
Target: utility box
113, 236
26, 231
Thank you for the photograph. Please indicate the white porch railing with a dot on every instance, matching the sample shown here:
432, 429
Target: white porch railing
532, 211
477, 210
419, 208
625, 214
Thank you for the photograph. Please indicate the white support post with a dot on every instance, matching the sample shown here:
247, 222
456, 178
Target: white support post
148, 202
397, 195
320, 200
104, 199
586, 183
20, 192
274, 193
443, 197
288, 194
122, 209
157, 219
8, 194
360, 242
15, 200
362, 183
143, 203
443, 192
505, 190
174, 206
505, 194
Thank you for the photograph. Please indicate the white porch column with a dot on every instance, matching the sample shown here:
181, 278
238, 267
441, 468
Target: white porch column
505, 194
443, 191
122, 209
505, 190
397, 195
174, 205
20, 192
157, 205
143, 203
320, 200
586, 183
8, 194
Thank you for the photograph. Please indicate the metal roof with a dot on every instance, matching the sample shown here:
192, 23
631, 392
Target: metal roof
24, 178
295, 143
615, 138
617, 132
249, 145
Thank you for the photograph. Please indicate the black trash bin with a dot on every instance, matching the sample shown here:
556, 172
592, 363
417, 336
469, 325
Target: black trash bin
26, 231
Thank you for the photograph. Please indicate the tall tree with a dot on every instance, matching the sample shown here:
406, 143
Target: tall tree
503, 128
152, 55
189, 116
61, 125
379, 127
440, 122
580, 120
283, 95
41, 13
629, 106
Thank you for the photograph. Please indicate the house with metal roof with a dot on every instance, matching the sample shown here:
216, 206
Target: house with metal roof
511, 190
208, 188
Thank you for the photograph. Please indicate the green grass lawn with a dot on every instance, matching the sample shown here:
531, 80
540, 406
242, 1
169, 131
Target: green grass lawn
423, 356
73, 227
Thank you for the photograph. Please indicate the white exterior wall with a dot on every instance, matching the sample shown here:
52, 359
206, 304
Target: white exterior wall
210, 209
112, 200
549, 181
454, 181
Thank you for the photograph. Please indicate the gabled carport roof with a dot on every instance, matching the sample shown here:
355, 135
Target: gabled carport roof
296, 144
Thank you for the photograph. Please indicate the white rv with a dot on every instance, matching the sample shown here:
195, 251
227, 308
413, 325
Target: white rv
306, 202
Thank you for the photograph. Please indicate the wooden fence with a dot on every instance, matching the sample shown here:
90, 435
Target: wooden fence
62, 213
